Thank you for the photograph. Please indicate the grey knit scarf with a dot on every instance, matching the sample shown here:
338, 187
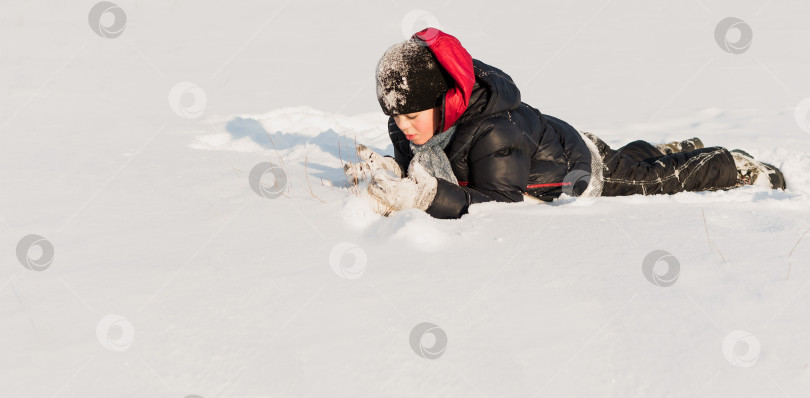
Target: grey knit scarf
431, 155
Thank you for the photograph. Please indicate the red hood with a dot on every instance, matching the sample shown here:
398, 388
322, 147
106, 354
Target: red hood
458, 63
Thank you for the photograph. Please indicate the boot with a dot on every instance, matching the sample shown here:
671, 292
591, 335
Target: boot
683, 146
754, 172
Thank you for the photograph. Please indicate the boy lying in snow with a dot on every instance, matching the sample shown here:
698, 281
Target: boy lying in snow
461, 136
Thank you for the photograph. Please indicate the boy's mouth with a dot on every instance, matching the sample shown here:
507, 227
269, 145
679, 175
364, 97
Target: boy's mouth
410, 137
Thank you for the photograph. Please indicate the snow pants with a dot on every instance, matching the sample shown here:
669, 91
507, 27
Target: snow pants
640, 168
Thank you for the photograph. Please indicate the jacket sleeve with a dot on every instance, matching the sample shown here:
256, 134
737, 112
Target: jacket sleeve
499, 171
575, 149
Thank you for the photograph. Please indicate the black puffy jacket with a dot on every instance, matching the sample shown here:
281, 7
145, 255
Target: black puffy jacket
502, 150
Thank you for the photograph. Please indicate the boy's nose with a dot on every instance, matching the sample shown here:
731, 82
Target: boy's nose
401, 122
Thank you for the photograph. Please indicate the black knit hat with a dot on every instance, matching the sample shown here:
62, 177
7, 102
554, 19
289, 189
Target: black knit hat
410, 79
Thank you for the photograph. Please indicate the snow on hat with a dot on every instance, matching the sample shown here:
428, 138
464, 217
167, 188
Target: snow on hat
410, 79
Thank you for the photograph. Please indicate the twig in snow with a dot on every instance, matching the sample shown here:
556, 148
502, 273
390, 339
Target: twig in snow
790, 265
706, 226
235, 170
357, 163
306, 174
280, 159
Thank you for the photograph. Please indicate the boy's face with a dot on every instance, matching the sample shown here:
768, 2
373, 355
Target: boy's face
419, 126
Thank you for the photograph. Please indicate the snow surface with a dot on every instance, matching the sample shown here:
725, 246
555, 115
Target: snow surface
172, 277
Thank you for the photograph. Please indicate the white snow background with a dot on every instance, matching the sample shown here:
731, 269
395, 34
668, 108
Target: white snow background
130, 155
